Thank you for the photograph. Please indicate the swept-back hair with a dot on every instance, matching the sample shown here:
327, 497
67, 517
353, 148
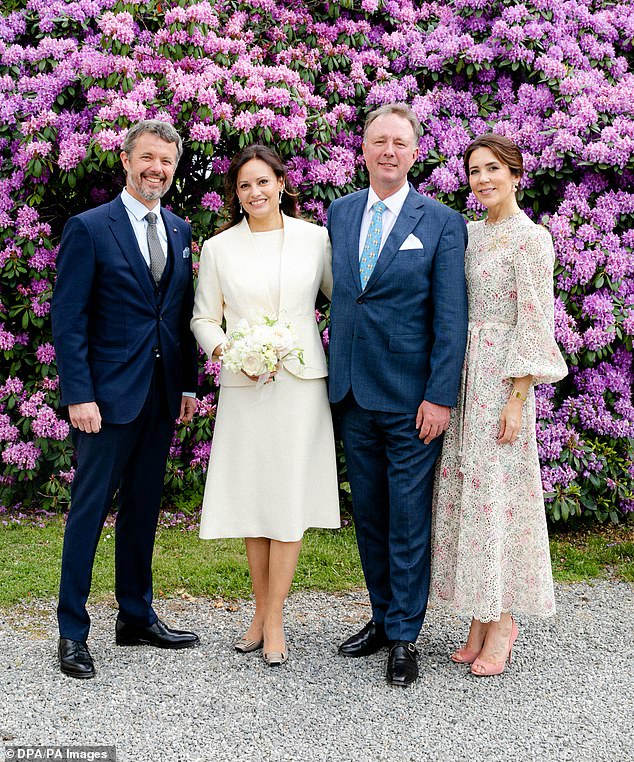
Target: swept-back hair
504, 150
256, 151
162, 130
400, 109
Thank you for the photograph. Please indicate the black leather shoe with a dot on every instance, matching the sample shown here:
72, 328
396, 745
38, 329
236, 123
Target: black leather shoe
157, 634
75, 659
402, 667
368, 641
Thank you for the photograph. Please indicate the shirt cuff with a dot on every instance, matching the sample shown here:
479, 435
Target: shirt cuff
189, 394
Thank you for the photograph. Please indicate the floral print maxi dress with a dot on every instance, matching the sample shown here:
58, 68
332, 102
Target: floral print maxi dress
490, 541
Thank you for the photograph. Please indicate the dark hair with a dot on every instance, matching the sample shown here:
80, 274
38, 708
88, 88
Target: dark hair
400, 109
162, 130
256, 151
504, 149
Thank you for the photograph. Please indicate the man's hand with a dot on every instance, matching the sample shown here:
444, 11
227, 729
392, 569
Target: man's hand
86, 417
432, 420
188, 408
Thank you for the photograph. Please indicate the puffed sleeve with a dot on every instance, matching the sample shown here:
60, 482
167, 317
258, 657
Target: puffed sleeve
326, 279
209, 303
533, 349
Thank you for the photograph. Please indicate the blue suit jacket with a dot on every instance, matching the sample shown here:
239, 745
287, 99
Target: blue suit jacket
108, 321
402, 339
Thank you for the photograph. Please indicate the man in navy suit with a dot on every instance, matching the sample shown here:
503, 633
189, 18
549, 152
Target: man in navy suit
128, 368
397, 339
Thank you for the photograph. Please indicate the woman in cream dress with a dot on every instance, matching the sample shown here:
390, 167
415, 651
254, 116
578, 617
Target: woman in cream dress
272, 471
490, 552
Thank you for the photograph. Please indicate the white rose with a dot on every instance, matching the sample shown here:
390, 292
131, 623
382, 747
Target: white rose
253, 364
283, 340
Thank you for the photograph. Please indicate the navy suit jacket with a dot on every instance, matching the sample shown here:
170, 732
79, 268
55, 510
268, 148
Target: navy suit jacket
110, 323
401, 340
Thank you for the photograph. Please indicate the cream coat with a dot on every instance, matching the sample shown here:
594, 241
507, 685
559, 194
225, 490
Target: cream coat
230, 267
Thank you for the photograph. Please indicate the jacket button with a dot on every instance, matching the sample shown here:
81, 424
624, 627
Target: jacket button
360, 300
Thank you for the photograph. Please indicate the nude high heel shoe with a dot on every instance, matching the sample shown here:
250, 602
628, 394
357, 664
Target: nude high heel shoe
247, 645
464, 656
276, 658
481, 668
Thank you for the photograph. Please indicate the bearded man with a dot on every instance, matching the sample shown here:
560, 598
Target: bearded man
128, 368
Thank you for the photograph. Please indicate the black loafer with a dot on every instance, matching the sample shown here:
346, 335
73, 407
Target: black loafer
366, 642
157, 634
75, 659
402, 667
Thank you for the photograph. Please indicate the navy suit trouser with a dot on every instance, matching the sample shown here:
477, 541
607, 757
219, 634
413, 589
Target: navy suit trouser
391, 474
130, 457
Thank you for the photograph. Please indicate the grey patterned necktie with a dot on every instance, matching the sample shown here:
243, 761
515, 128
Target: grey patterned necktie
157, 258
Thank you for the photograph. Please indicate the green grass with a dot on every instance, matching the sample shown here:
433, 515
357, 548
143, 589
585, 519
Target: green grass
184, 564
586, 554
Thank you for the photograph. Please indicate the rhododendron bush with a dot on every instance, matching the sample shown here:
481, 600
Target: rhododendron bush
554, 75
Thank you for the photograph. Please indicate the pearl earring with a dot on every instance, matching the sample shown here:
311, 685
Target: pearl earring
240, 205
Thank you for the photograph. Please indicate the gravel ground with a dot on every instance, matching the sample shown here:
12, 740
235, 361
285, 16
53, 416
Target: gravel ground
567, 696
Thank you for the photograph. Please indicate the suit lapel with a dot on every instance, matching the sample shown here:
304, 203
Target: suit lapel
122, 231
285, 260
176, 247
356, 207
411, 214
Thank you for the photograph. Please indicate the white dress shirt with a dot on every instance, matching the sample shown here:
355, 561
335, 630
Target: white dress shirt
136, 212
394, 204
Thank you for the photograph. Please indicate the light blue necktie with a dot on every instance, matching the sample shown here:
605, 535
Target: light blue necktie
372, 245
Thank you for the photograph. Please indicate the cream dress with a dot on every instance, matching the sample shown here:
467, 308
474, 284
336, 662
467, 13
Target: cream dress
490, 543
272, 469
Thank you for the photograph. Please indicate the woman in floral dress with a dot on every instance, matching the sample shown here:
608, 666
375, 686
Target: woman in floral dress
490, 547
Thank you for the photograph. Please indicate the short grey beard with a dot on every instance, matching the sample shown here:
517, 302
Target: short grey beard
150, 195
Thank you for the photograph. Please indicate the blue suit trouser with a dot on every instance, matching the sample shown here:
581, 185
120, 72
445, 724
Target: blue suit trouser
130, 457
391, 474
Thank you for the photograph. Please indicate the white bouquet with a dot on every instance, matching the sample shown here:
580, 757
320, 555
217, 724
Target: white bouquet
258, 349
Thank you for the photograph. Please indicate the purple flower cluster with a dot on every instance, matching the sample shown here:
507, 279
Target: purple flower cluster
22, 455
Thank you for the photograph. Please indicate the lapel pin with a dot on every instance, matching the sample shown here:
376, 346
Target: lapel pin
176, 230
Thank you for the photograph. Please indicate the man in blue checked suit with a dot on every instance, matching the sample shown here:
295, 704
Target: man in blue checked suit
397, 339
127, 364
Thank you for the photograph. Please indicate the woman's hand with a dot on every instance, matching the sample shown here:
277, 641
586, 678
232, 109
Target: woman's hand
510, 421
271, 377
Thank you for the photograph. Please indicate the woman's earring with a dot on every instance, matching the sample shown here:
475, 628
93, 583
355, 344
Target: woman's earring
281, 194
515, 188
240, 205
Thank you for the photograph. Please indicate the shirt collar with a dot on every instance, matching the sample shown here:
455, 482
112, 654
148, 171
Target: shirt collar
394, 202
136, 208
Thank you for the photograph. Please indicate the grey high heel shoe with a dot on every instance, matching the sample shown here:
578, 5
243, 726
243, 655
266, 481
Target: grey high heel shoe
275, 658
246, 645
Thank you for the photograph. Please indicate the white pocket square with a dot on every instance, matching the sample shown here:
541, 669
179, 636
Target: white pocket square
186, 252
411, 242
